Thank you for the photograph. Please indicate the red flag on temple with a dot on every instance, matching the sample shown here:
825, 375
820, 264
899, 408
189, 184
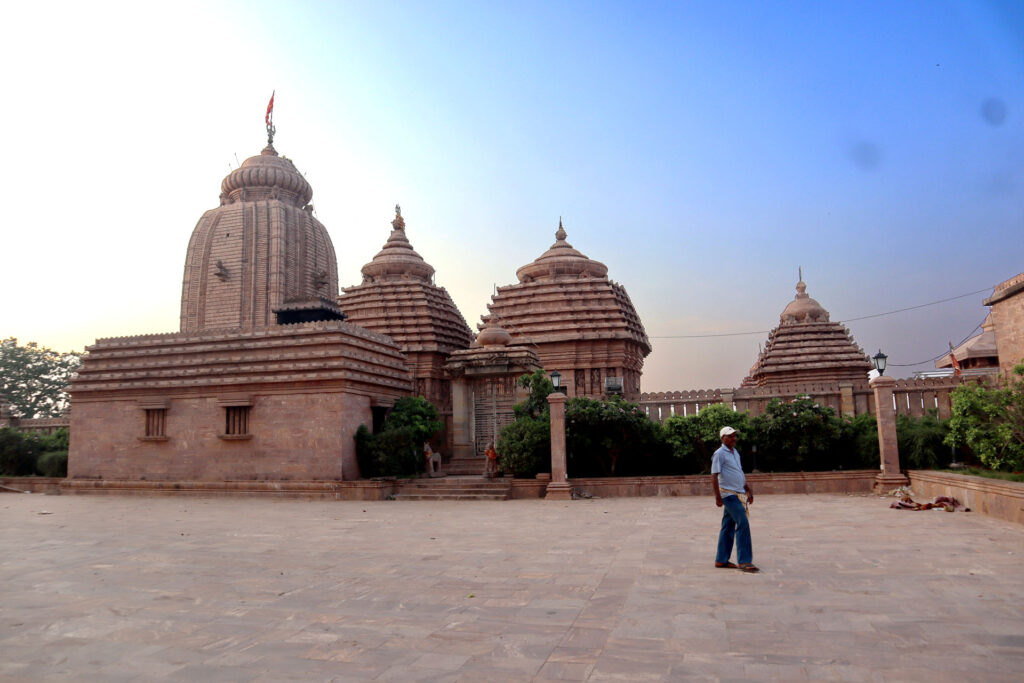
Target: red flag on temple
956, 363
270, 107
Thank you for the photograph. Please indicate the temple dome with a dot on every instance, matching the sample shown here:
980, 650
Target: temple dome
579, 322
803, 309
397, 260
807, 347
261, 254
266, 176
561, 261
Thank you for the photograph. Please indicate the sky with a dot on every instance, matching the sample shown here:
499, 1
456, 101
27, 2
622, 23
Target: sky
704, 151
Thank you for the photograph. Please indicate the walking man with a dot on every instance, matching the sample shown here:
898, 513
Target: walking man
729, 483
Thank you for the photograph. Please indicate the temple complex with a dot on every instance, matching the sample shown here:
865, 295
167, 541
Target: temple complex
264, 381
578, 322
398, 298
807, 347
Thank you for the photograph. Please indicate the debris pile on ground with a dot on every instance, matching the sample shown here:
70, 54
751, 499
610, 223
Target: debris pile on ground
946, 503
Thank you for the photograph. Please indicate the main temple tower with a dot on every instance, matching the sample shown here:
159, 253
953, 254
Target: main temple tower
261, 254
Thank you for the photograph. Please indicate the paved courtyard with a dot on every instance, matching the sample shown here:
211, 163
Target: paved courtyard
205, 589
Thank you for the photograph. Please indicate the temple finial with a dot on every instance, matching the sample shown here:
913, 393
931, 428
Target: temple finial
399, 222
560, 234
800, 273
269, 118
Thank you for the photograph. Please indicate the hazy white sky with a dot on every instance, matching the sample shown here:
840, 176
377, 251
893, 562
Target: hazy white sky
703, 151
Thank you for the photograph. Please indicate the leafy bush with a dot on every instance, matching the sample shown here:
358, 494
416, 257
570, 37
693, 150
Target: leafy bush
53, 464
26, 455
417, 414
18, 453
990, 422
920, 442
398, 450
524, 447
536, 404
694, 438
798, 435
611, 438
858, 446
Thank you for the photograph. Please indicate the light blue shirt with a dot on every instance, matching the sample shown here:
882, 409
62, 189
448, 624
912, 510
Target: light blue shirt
726, 464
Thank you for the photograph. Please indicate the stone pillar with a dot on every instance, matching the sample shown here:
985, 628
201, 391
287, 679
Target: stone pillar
462, 435
727, 395
558, 487
890, 476
846, 399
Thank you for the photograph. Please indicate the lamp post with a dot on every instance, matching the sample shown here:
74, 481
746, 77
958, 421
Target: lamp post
890, 476
880, 360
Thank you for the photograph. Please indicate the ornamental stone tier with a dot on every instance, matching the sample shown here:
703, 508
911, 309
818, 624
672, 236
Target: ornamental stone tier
578, 321
807, 347
260, 257
399, 298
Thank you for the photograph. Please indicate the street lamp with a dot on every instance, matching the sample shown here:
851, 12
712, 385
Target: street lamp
556, 381
880, 359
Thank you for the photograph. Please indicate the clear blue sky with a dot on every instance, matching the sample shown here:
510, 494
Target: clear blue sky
703, 151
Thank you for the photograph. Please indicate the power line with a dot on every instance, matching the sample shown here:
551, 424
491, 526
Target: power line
848, 320
944, 353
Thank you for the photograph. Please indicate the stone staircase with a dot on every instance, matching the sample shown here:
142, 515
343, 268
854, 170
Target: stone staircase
455, 488
462, 467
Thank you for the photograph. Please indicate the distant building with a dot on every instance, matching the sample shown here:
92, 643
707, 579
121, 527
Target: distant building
1007, 302
977, 353
807, 347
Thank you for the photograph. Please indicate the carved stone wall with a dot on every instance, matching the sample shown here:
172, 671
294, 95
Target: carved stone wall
1007, 302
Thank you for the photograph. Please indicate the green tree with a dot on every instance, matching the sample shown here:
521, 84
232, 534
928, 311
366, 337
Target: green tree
417, 414
397, 451
609, 438
34, 380
694, 438
989, 420
524, 447
536, 404
797, 435
920, 442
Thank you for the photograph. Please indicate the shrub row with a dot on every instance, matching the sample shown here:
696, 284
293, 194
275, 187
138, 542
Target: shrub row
397, 451
27, 455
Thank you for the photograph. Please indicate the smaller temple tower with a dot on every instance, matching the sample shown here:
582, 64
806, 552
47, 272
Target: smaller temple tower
578, 321
807, 347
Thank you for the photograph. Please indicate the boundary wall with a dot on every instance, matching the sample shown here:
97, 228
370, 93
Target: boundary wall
914, 397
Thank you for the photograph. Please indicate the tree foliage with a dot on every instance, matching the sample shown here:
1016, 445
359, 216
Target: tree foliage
694, 438
536, 404
34, 379
611, 438
797, 435
989, 420
920, 442
25, 455
524, 447
397, 451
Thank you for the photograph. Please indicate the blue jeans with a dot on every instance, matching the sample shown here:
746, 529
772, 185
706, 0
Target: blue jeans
734, 523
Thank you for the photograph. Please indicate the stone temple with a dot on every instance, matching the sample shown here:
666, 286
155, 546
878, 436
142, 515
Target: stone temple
807, 347
264, 381
578, 321
273, 369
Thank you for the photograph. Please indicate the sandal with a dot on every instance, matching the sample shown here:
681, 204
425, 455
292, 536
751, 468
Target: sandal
749, 568
724, 565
